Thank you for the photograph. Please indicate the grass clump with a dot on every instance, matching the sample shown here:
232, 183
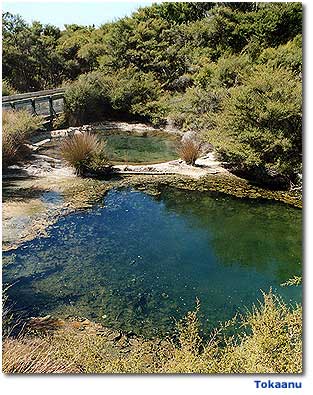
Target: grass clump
189, 150
31, 355
266, 340
86, 153
17, 127
7, 88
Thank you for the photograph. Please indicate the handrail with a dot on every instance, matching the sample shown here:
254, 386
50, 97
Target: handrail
30, 95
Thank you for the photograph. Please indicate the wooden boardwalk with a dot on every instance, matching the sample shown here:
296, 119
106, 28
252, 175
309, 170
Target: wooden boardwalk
48, 103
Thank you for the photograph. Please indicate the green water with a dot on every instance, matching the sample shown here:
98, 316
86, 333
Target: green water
136, 262
130, 149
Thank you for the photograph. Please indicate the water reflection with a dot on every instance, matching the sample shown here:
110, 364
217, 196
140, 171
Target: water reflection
138, 262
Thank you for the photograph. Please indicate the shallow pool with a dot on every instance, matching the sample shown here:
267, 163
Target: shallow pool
132, 149
128, 148
137, 262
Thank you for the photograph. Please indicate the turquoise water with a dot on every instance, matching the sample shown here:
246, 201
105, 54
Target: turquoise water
136, 262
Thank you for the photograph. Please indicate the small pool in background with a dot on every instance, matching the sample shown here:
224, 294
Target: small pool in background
139, 148
137, 261
128, 148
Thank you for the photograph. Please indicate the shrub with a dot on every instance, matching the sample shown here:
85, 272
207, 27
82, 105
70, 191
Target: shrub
7, 89
97, 94
85, 152
87, 98
17, 127
193, 109
189, 150
133, 88
260, 127
60, 122
266, 340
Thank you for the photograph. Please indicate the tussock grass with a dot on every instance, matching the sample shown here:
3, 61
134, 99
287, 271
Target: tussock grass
84, 151
32, 356
17, 127
189, 150
269, 341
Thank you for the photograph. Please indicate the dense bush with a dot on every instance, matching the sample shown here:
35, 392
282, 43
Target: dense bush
17, 127
87, 98
190, 64
260, 125
96, 94
287, 56
193, 109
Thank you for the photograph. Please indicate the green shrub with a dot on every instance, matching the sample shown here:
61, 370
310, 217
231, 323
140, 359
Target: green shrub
60, 122
97, 94
260, 126
133, 88
288, 56
86, 153
193, 109
7, 88
229, 71
87, 99
17, 127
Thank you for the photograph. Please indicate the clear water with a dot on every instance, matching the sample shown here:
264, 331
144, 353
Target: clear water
137, 261
127, 148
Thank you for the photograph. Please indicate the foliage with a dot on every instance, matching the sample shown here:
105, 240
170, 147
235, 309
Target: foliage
287, 56
260, 125
60, 122
200, 66
87, 98
30, 60
97, 94
294, 281
193, 110
268, 340
85, 152
7, 314
7, 89
32, 355
17, 127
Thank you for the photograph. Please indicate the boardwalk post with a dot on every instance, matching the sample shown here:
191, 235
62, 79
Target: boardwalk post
51, 108
34, 106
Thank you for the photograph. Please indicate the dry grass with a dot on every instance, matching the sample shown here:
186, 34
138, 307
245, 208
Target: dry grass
189, 150
17, 127
32, 356
269, 341
82, 150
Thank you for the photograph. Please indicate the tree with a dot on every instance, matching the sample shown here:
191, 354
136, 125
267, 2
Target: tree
260, 126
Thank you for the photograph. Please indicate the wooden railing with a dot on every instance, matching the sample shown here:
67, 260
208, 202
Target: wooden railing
49, 103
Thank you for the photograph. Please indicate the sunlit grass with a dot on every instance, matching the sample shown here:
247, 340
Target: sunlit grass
269, 341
